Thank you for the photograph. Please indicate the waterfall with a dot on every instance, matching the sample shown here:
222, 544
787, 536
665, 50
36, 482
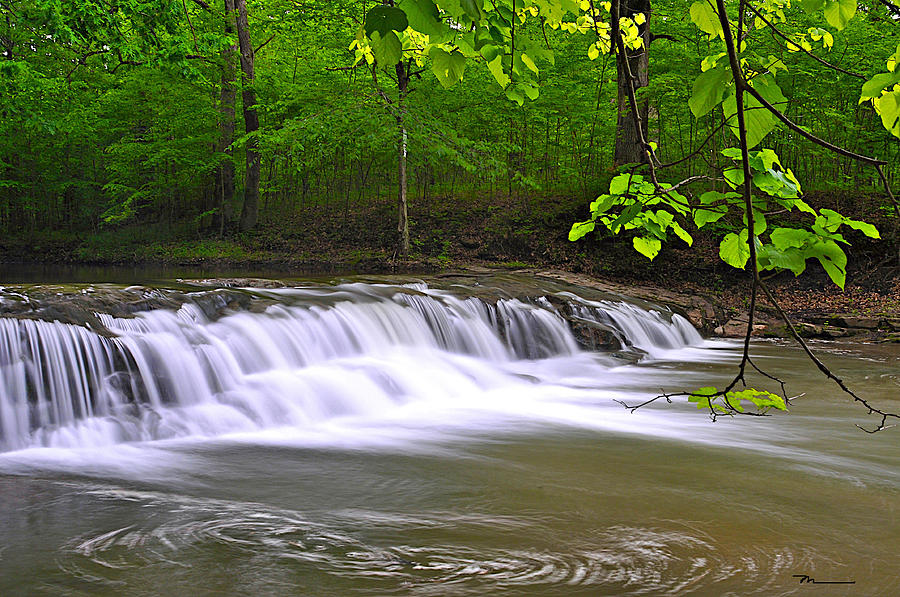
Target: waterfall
311, 355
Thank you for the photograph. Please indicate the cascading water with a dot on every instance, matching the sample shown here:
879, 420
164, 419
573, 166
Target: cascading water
460, 438
313, 355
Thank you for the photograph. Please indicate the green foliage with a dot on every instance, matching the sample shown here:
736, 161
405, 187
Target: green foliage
731, 402
703, 14
629, 206
883, 90
113, 118
775, 188
384, 19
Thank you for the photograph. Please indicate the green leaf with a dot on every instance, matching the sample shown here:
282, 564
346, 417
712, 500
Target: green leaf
490, 52
682, 233
423, 16
864, 227
448, 67
888, 107
812, 6
648, 247
602, 204
709, 89
620, 184
759, 121
839, 12
625, 217
734, 250
762, 399
769, 158
785, 238
777, 183
579, 229
874, 86
734, 177
734, 402
706, 18
833, 260
387, 50
526, 59
702, 396
705, 216
472, 8
385, 19
791, 259
515, 94
712, 213
496, 68
759, 222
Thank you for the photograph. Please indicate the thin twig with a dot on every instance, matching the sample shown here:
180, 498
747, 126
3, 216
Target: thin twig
825, 370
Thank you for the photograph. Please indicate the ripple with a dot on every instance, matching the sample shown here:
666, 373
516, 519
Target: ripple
261, 545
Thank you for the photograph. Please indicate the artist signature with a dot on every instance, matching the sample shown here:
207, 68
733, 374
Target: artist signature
807, 579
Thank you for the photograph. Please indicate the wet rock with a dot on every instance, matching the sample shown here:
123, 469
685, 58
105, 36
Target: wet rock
808, 330
835, 332
592, 335
236, 282
733, 328
217, 303
854, 321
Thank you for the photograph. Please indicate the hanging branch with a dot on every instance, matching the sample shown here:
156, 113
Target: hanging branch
878, 164
757, 284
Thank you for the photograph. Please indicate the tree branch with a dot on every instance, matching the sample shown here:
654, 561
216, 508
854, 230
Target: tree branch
263, 44
892, 8
797, 129
802, 49
825, 370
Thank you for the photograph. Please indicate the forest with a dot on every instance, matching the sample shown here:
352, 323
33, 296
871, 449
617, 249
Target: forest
449, 297
270, 130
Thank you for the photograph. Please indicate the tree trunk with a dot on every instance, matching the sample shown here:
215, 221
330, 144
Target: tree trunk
628, 142
251, 120
225, 172
402, 212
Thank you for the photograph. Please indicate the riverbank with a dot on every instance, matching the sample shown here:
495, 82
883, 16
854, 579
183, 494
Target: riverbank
502, 234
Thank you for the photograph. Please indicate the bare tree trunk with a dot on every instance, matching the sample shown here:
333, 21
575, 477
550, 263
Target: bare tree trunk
225, 173
402, 207
628, 147
250, 210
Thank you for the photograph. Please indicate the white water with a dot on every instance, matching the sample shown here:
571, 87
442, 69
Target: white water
386, 440
328, 363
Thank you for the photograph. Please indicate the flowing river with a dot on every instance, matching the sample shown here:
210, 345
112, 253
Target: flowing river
440, 437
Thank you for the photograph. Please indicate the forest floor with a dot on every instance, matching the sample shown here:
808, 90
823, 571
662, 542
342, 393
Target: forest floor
522, 233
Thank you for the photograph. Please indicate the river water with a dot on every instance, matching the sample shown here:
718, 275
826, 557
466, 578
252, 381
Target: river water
373, 438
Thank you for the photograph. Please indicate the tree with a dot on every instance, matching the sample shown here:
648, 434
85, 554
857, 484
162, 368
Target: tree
224, 185
250, 209
386, 26
744, 84
633, 75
